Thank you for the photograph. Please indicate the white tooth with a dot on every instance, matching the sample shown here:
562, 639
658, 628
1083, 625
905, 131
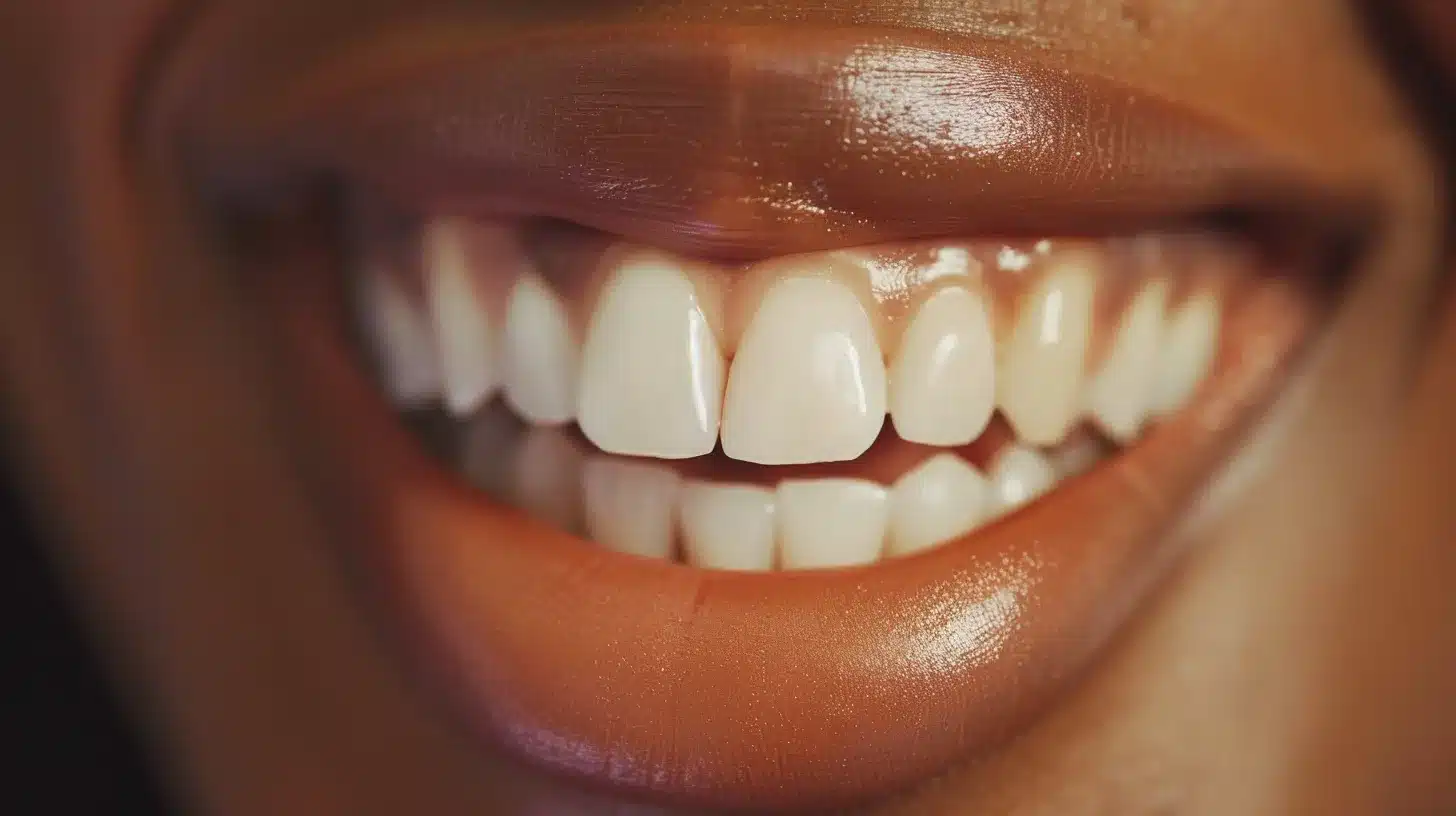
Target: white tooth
541, 356
1119, 395
941, 500
651, 370
1190, 343
943, 381
729, 527
400, 337
548, 479
1039, 378
826, 523
1018, 476
462, 323
631, 506
808, 382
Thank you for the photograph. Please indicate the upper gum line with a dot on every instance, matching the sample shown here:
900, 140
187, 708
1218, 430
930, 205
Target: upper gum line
465, 312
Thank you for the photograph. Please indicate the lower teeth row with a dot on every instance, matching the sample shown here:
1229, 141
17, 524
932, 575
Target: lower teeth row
649, 509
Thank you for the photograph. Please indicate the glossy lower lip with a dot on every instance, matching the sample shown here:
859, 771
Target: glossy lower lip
733, 690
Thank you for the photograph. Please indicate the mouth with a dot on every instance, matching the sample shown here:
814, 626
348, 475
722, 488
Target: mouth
731, 429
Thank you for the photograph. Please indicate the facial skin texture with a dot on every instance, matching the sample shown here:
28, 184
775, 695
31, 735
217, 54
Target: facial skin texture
1293, 663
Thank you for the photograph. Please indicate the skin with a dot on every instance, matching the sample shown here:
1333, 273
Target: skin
1296, 661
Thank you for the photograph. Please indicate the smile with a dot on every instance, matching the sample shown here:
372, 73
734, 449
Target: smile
734, 429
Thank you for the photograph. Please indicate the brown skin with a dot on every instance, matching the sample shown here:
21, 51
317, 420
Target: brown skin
1298, 662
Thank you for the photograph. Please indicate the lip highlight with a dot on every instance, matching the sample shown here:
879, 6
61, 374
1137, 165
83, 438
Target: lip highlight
711, 689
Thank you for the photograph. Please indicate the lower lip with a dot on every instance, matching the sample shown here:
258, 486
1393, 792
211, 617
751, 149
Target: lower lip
758, 690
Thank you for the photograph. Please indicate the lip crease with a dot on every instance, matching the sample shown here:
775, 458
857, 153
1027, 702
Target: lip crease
708, 689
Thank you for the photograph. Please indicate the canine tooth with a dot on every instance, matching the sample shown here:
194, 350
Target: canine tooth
808, 382
941, 500
541, 355
1118, 396
462, 323
1039, 379
400, 339
548, 479
1018, 476
1190, 343
729, 527
630, 506
943, 381
826, 523
651, 369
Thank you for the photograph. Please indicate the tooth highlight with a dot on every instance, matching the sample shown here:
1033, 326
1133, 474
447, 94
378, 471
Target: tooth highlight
941, 500
631, 507
808, 381
943, 380
1118, 396
728, 527
1039, 379
825, 523
651, 369
458, 310
1190, 343
541, 357
1019, 476
400, 339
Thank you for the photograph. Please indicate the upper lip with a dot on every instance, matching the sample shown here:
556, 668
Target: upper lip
716, 141
749, 689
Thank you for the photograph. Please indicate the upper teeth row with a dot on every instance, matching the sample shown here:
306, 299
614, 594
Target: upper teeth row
809, 379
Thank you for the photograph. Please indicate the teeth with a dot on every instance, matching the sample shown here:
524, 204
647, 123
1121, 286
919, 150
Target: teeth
828, 523
1019, 476
541, 356
651, 370
1190, 343
728, 527
1118, 397
942, 384
630, 506
941, 500
548, 479
400, 338
1039, 380
462, 324
808, 382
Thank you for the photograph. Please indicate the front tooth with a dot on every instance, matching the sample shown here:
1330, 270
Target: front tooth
400, 338
808, 382
630, 506
1018, 476
651, 370
1118, 396
541, 356
1190, 343
728, 527
943, 381
462, 323
1039, 379
548, 479
825, 523
941, 500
